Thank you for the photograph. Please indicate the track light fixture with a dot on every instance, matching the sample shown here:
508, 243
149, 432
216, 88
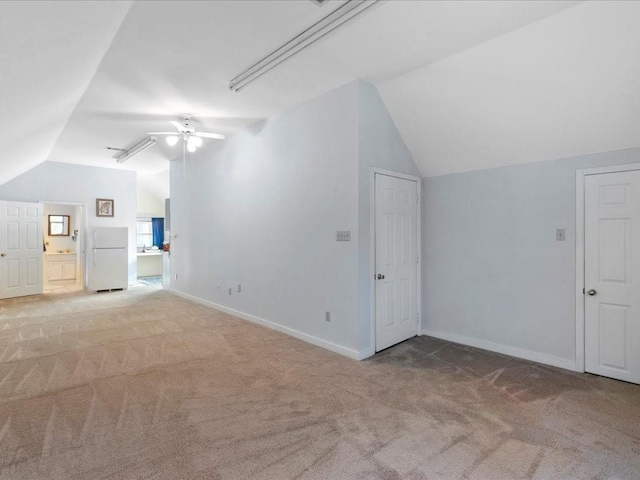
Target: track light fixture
136, 149
335, 19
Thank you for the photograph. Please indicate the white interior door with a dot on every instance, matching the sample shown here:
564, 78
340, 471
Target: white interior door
612, 275
21, 246
396, 257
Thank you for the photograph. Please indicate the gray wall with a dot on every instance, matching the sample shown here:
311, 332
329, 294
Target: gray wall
379, 145
493, 270
262, 209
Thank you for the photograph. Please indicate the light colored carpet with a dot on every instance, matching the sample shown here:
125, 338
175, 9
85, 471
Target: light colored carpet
142, 384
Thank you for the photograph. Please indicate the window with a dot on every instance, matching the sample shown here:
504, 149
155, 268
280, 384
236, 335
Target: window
145, 234
58, 225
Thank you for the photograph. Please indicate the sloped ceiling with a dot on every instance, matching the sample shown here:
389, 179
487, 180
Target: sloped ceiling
49, 53
564, 86
122, 70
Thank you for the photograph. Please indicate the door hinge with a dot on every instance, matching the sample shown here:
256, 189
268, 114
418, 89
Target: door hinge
417, 198
417, 258
417, 318
583, 292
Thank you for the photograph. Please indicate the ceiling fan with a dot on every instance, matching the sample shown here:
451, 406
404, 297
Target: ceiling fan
191, 138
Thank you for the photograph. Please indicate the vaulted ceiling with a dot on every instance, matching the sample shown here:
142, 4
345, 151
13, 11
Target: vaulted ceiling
463, 80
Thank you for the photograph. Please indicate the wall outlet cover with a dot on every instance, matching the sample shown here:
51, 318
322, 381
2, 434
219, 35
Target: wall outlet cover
561, 235
343, 236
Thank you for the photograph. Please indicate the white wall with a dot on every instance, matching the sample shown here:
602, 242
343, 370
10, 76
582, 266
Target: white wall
493, 270
380, 145
149, 205
262, 209
61, 182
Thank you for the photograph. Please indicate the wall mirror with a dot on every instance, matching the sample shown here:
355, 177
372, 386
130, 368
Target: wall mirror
59, 225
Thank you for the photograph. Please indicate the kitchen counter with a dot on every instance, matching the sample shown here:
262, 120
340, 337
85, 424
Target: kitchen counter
149, 263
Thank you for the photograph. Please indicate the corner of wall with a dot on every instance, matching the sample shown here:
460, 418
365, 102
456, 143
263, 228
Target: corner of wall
379, 145
274, 194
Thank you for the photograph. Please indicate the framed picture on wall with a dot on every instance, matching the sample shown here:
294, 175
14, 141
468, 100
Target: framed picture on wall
104, 207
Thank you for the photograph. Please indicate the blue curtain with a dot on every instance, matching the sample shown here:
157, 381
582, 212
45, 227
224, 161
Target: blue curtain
157, 227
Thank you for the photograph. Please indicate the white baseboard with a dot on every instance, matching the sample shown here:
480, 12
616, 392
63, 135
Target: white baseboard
347, 352
504, 349
366, 353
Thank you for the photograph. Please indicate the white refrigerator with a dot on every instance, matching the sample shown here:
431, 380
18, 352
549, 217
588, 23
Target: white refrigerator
108, 258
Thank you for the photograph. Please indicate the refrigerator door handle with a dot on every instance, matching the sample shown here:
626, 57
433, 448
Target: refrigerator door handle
94, 256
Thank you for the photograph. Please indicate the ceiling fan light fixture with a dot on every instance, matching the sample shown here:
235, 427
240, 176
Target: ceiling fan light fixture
187, 134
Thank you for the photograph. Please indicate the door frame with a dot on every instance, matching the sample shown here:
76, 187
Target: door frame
372, 248
85, 267
580, 251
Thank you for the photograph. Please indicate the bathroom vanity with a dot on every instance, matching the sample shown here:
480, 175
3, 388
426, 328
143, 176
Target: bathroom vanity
60, 266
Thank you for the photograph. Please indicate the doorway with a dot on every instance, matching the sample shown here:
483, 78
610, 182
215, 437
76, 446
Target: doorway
396, 218
149, 242
64, 252
609, 243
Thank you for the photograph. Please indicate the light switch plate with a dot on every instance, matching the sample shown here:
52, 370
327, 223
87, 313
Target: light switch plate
343, 236
560, 235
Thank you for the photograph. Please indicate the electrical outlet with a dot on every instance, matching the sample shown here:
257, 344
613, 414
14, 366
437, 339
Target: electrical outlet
218, 287
239, 288
343, 236
175, 276
560, 235
327, 316
229, 291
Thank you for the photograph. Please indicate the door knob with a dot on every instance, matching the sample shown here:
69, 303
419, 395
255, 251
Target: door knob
592, 292
380, 276
3, 254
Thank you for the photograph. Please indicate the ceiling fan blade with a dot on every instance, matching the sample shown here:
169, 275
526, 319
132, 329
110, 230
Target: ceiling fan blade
164, 133
178, 125
210, 135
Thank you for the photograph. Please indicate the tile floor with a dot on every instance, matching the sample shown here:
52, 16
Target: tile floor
155, 280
